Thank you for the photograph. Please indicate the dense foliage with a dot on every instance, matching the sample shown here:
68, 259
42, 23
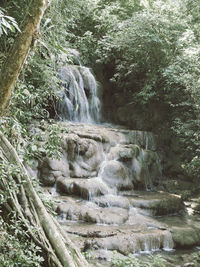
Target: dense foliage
16, 248
132, 261
146, 54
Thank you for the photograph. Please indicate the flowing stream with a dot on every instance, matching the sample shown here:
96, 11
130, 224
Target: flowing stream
79, 94
104, 186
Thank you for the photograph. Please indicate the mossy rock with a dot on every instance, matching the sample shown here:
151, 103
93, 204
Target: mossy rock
185, 237
169, 205
159, 204
124, 152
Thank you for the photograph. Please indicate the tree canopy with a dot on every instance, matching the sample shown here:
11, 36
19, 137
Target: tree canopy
144, 52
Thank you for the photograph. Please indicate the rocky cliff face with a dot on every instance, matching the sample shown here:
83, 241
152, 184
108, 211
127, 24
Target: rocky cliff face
96, 180
118, 159
94, 187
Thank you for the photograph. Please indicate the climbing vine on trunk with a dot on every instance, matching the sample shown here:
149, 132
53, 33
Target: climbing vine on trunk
21, 196
30, 209
14, 62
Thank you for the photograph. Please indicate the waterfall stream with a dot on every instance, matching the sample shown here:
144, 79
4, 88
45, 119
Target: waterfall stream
94, 185
96, 182
79, 95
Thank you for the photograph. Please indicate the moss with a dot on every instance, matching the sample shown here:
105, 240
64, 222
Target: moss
170, 205
185, 237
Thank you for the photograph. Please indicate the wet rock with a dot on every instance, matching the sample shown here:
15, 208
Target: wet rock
86, 188
115, 175
112, 215
81, 170
57, 173
185, 237
51, 169
92, 230
95, 137
85, 156
136, 218
112, 201
146, 168
48, 179
126, 243
90, 212
111, 221
70, 144
59, 165
123, 152
159, 203
85, 148
33, 172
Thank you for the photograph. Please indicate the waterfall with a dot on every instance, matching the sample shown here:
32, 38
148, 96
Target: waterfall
78, 95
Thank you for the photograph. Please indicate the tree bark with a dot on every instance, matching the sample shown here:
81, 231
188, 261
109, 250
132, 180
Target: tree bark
66, 254
28, 205
14, 62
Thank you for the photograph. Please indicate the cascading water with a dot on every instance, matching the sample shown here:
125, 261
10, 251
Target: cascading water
97, 195
95, 180
79, 96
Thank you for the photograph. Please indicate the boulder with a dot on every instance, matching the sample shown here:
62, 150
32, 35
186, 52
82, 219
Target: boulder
132, 242
60, 165
112, 201
84, 155
146, 168
90, 212
111, 215
123, 152
47, 179
86, 188
185, 237
158, 203
51, 169
115, 175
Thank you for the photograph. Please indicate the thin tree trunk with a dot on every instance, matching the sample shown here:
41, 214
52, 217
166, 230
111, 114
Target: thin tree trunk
66, 254
14, 62
28, 205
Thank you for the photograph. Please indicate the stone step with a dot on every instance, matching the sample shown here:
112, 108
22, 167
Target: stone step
85, 188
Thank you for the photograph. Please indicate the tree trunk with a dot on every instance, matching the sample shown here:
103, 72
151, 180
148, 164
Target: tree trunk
50, 235
14, 62
27, 204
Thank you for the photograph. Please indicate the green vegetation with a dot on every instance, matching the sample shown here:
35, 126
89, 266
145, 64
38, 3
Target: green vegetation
7, 24
16, 248
132, 261
145, 53
197, 208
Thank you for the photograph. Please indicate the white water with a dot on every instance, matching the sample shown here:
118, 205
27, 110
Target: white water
79, 100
